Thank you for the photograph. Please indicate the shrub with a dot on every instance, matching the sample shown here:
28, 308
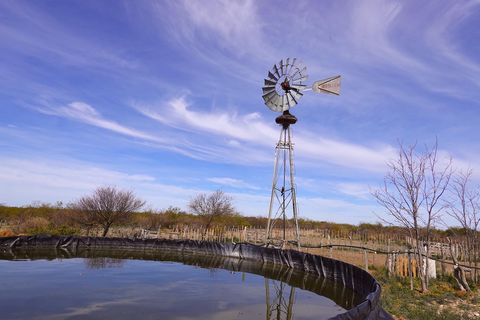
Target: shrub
6, 233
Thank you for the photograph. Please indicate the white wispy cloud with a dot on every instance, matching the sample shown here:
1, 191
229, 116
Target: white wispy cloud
236, 23
372, 36
84, 112
441, 35
178, 114
370, 29
338, 210
50, 39
234, 183
66, 180
435, 63
357, 190
253, 131
225, 41
56, 174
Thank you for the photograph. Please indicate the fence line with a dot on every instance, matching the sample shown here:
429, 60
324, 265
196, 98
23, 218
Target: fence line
390, 252
323, 238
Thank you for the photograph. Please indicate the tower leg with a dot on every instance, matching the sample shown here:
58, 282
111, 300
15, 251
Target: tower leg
268, 234
294, 190
283, 193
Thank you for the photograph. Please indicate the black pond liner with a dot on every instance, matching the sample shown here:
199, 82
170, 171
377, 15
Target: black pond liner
350, 276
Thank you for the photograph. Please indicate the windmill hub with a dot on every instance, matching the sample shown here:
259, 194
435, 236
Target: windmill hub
285, 85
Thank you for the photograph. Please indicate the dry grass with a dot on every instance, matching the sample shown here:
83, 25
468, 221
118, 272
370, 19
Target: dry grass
6, 233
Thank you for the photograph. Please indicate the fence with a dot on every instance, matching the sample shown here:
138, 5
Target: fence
360, 248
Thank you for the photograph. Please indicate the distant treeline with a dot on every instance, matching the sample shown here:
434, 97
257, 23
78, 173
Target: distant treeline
59, 219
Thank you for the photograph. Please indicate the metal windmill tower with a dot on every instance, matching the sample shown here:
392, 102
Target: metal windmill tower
283, 88
278, 306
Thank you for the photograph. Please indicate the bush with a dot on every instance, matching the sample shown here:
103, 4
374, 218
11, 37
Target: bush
34, 225
6, 233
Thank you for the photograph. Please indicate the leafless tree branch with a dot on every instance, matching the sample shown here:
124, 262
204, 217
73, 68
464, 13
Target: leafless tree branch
107, 206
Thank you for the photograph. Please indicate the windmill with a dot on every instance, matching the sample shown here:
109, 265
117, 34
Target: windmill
283, 88
278, 306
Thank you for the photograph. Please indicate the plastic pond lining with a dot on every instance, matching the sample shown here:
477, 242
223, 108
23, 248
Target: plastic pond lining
346, 274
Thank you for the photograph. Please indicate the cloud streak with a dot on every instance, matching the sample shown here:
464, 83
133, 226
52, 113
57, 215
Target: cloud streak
252, 131
49, 180
232, 182
85, 113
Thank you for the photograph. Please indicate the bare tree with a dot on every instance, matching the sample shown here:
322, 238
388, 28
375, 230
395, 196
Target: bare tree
212, 207
458, 271
85, 219
411, 195
436, 182
107, 206
464, 208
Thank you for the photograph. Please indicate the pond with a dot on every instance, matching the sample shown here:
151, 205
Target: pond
54, 284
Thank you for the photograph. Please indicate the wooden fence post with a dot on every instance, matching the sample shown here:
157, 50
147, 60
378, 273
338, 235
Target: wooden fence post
366, 259
410, 273
331, 248
388, 262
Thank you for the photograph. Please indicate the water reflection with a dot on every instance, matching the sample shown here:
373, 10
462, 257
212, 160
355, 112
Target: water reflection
103, 262
281, 284
279, 301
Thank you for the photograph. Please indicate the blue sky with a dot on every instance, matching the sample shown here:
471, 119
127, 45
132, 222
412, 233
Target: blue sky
164, 97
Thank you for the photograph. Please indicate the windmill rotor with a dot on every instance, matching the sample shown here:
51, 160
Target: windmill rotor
284, 84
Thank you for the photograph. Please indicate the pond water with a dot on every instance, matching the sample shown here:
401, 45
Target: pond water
126, 285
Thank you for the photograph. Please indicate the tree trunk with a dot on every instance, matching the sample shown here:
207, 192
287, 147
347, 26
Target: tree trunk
419, 251
410, 271
421, 263
427, 265
475, 256
458, 271
105, 230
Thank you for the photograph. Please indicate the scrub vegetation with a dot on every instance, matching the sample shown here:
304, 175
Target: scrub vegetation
61, 219
442, 301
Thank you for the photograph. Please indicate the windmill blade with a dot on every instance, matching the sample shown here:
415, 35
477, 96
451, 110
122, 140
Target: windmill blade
269, 104
330, 85
292, 99
299, 87
287, 100
272, 77
296, 95
284, 103
275, 101
300, 78
293, 66
268, 82
281, 67
268, 89
276, 72
299, 72
287, 65
269, 96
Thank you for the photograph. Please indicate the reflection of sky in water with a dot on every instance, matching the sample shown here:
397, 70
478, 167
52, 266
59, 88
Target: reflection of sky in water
134, 289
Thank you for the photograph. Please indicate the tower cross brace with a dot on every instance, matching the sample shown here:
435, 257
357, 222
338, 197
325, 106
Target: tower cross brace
283, 196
